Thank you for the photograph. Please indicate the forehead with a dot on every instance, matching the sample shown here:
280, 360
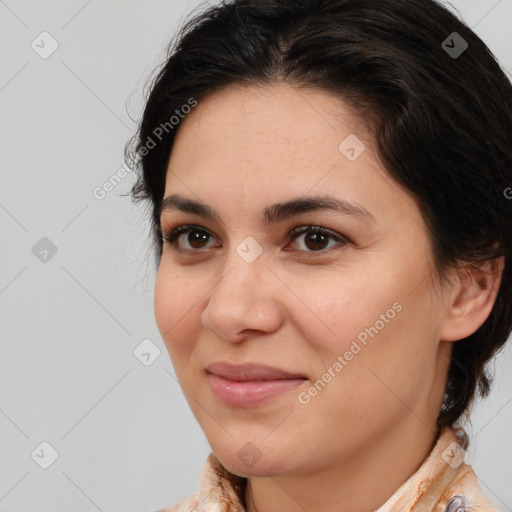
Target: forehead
268, 113
258, 145
276, 129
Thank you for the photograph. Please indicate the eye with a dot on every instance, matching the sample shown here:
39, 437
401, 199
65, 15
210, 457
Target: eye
197, 238
315, 238
309, 238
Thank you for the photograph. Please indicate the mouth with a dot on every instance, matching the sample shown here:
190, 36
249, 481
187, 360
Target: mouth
247, 385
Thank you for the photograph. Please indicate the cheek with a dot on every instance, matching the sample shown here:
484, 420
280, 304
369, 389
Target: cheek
375, 318
384, 346
175, 307
343, 306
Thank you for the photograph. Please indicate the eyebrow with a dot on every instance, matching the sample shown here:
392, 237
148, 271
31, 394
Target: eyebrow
274, 213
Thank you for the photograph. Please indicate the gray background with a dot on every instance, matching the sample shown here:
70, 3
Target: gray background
70, 321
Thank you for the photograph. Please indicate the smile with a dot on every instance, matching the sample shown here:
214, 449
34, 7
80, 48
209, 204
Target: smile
249, 385
249, 393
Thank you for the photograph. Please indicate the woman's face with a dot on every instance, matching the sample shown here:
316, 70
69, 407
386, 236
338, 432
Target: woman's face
351, 312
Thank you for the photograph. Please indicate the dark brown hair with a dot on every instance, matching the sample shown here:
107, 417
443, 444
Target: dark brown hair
441, 118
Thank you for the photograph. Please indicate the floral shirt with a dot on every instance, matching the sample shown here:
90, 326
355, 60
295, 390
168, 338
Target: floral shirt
443, 483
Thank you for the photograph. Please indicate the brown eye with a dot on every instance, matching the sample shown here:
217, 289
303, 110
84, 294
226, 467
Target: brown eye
315, 239
188, 238
197, 239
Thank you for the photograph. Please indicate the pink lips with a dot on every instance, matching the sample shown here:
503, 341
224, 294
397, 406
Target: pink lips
248, 385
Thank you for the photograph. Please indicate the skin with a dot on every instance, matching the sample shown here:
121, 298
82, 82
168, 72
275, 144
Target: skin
298, 309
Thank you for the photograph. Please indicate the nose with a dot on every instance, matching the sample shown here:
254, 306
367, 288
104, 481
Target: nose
244, 301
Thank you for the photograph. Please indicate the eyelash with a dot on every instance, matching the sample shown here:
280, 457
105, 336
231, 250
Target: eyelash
174, 234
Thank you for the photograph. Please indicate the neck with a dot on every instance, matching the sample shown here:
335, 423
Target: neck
363, 483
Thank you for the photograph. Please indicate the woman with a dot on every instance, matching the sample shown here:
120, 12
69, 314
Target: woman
327, 181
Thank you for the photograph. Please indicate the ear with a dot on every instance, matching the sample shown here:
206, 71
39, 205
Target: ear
471, 298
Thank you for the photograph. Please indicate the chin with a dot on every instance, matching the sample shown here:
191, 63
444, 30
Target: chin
263, 468
258, 459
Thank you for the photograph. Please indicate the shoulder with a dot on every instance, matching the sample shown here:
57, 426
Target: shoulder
466, 490
189, 504
443, 483
454, 484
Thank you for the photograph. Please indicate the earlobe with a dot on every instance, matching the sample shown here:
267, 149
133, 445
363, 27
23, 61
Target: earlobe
472, 300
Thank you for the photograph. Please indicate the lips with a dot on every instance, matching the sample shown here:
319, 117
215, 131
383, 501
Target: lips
250, 372
246, 385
